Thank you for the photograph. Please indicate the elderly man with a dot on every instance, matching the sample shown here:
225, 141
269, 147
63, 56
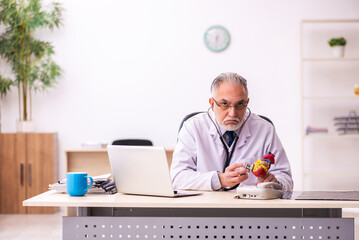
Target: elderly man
213, 147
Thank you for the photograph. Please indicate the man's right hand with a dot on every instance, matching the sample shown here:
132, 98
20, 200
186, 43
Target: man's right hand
233, 176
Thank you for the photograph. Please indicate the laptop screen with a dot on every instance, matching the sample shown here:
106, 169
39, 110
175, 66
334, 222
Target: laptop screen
140, 170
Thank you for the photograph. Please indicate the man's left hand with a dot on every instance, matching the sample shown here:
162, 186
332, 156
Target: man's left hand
268, 178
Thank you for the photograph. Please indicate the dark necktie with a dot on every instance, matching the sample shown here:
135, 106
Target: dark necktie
230, 135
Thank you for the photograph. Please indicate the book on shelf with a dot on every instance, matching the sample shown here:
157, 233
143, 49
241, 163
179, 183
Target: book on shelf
311, 130
347, 124
348, 130
347, 118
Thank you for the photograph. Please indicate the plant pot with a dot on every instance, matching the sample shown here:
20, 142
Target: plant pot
25, 126
338, 51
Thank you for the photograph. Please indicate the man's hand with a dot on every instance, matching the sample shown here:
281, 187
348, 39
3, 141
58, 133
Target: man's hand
232, 175
267, 178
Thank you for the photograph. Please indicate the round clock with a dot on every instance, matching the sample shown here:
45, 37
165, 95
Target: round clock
216, 38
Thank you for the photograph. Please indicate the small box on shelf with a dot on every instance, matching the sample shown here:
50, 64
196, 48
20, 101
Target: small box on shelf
356, 90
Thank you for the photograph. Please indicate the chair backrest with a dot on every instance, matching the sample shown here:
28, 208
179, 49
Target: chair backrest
195, 113
187, 117
267, 119
133, 142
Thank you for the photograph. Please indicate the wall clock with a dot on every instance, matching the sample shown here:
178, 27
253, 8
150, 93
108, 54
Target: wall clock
216, 38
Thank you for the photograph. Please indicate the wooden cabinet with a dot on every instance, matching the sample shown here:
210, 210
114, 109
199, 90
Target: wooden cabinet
29, 163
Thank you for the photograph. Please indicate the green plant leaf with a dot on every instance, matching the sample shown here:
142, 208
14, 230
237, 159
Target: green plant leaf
337, 42
5, 85
29, 58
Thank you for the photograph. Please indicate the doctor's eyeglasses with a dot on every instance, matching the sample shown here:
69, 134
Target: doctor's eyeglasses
225, 105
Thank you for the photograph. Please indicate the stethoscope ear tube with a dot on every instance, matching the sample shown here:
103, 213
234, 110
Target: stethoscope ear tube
228, 155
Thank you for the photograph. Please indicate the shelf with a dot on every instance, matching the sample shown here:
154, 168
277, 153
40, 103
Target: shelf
331, 21
331, 98
325, 174
327, 90
330, 135
329, 59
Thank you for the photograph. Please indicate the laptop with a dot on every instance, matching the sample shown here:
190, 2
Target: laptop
142, 170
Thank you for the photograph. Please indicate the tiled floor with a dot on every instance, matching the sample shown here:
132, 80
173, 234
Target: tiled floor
48, 226
31, 227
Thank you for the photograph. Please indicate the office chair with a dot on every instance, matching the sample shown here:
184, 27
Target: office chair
188, 116
267, 119
133, 142
195, 113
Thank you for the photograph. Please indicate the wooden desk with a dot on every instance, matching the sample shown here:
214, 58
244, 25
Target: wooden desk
205, 200
212, 215
94, 162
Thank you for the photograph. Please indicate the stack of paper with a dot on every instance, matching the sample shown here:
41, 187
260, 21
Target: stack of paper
93, 145
97, 186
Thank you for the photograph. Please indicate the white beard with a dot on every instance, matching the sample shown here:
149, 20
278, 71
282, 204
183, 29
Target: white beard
230, 127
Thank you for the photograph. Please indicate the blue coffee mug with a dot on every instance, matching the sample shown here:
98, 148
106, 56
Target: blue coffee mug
76, 183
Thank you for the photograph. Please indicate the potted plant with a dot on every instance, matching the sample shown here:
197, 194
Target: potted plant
29, 58
338, 45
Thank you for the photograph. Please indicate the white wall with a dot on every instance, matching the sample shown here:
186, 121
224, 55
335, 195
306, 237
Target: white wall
133, 69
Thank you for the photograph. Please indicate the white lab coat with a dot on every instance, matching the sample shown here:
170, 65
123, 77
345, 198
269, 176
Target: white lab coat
200, 155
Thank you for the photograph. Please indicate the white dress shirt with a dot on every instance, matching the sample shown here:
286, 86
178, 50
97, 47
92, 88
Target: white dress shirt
200, 155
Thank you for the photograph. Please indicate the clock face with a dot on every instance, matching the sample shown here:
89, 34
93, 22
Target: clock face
216, 38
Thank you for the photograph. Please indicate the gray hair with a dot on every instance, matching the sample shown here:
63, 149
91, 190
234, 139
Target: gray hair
228, 77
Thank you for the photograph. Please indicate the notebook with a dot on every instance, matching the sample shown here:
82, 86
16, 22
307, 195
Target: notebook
142, 170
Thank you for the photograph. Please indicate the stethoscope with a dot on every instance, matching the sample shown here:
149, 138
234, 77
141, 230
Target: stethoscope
229, 154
